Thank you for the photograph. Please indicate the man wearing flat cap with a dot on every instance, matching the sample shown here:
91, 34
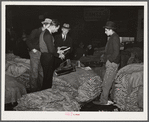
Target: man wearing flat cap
36, 72
63, 40
112, 59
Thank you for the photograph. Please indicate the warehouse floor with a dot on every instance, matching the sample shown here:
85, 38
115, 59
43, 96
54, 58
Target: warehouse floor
92, 107
87, 107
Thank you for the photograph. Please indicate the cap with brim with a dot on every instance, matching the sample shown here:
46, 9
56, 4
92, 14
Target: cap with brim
47, 21
110, 25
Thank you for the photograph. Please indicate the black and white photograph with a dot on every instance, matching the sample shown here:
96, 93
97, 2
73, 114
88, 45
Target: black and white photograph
73, 60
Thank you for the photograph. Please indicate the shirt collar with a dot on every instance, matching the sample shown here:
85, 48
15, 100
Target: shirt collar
63, 35
49, 30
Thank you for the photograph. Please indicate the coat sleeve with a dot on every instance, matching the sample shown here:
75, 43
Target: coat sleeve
116, 48
50, 45
70, 44
30, 38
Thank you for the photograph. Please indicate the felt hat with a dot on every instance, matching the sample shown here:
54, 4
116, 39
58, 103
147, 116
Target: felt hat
66, 26
110, 25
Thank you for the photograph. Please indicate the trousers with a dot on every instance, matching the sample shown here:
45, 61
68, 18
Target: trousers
36, 72
47, 63
57, 62
111, 70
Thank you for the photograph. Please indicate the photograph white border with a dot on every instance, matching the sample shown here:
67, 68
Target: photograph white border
96, 116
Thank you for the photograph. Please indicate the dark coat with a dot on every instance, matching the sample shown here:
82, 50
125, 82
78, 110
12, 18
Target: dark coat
60, 42
112, 49
33, 40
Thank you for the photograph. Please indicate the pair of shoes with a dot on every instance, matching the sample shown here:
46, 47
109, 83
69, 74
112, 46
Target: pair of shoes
109, 103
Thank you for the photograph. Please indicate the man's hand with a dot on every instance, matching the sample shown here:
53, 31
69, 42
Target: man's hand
34, 50
60, 51
62, 56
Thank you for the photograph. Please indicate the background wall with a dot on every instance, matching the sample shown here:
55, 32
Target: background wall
86, 21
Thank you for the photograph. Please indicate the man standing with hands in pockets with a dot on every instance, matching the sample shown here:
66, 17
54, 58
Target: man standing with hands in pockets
36, 72
112, 59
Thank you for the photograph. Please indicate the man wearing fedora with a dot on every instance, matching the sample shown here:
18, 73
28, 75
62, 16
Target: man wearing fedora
112, 59
63, 40
36, 72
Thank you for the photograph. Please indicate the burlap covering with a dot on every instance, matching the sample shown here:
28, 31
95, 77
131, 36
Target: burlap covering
47, 100
67, 91
128, 93
19, 68
24, 79
14, 68
65, 95
100, 71
131, 55
95, 57
13, 89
